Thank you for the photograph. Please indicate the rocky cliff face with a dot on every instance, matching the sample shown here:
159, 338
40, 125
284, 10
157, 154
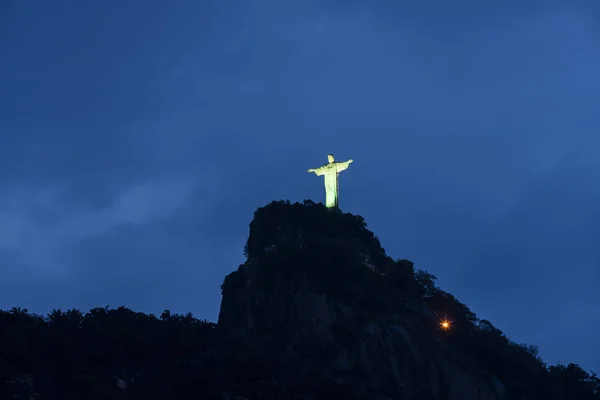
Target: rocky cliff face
389, 353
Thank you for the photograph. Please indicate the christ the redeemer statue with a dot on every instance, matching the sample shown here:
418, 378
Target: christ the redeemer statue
330, 173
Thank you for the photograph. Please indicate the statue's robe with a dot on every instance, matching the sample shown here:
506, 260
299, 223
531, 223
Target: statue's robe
330, 174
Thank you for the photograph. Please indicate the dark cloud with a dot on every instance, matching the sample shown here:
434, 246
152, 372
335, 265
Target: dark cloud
136, 142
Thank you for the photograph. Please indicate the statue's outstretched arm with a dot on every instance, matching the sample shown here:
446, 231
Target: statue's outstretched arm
342, 166
318, 171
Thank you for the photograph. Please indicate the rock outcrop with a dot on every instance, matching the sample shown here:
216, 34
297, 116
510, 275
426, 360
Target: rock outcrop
278, 301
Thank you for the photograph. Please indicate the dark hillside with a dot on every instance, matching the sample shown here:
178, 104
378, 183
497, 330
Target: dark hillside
318, 311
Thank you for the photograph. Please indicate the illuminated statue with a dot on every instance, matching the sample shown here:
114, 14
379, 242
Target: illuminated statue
330, 172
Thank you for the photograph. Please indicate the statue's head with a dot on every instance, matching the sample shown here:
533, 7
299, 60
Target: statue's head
330, 158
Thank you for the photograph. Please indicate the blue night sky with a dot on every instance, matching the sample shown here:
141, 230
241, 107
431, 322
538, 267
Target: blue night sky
138, 137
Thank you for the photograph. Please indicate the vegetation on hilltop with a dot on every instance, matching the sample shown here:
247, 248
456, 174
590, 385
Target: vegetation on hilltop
332, 247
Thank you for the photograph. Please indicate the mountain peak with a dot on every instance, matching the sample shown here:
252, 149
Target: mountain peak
318, 282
